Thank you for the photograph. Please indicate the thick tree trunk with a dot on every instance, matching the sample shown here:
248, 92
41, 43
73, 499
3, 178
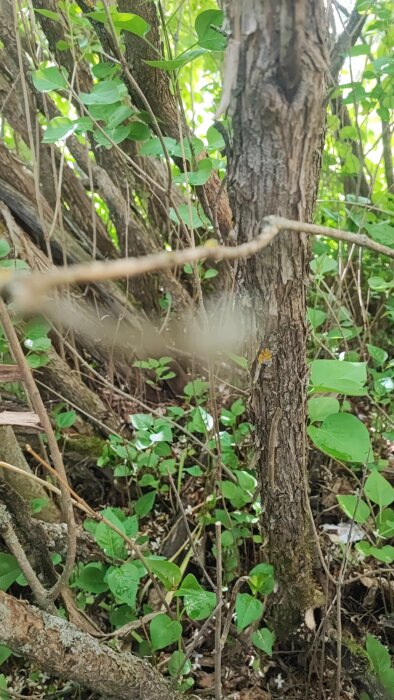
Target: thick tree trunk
278, 120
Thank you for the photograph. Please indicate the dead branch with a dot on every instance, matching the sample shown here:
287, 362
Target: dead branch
61, 649
26, 289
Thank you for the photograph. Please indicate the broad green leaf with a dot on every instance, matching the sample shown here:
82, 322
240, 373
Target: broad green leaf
316, 317
378, 489
339, 376
125, 21
47, 79
104, 70
384, 554
119, 115
141, 421
199, 603
123, 582
264, 639
164, 631
49, 14
324, 265
197, 177
208, 37
355, 508
261, 579
91, 578
189, 214
4, 695
382, 233
145, 503
344, 437
9, 570
179, 61
4, 247
5, 653
65, 419
59, 129
178, 665
110, 541
138, 131
215, 139
154, 147
378, 354
385, 523
168, 573
108, 92
248, 609
38, 344
321, 407
115, 135
378, 654
197, 388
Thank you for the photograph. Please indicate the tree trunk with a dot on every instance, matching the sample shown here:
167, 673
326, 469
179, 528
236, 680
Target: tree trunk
278, 122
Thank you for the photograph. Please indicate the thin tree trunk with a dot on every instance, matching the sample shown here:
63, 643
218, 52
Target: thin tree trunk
278, 122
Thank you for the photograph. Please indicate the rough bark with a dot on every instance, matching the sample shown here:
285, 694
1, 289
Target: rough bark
278, 120
28, 489
61, 649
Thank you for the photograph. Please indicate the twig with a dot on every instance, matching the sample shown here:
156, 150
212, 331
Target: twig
218, 620
38, 405
26, 288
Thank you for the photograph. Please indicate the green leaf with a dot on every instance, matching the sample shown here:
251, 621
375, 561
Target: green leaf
339, 376
261, 579
153, 147
196, 388
384, 554
123, 582
164, 631
125, 21
48, 13
178, 664
238, 360
5, 653
385, 523
65, 419
58, 129
382, 233
145, 503
179, 61
189, 214
248, 610
47, 79
378, 489
91, 578
378, 354
138, 131
264, 639
324, 265
355, 508
210, 273
321, 407
37, 328
141, 421
199, 603
344, 437
111, 542
378, 654
197, 177
119, 115
208, 37
4, 247
215, 139
168, 573
316, 317
3, 687
107, 92
115, 135
9, 570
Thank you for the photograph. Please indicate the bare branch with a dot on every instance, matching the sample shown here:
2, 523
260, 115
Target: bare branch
29, 289
344, 42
